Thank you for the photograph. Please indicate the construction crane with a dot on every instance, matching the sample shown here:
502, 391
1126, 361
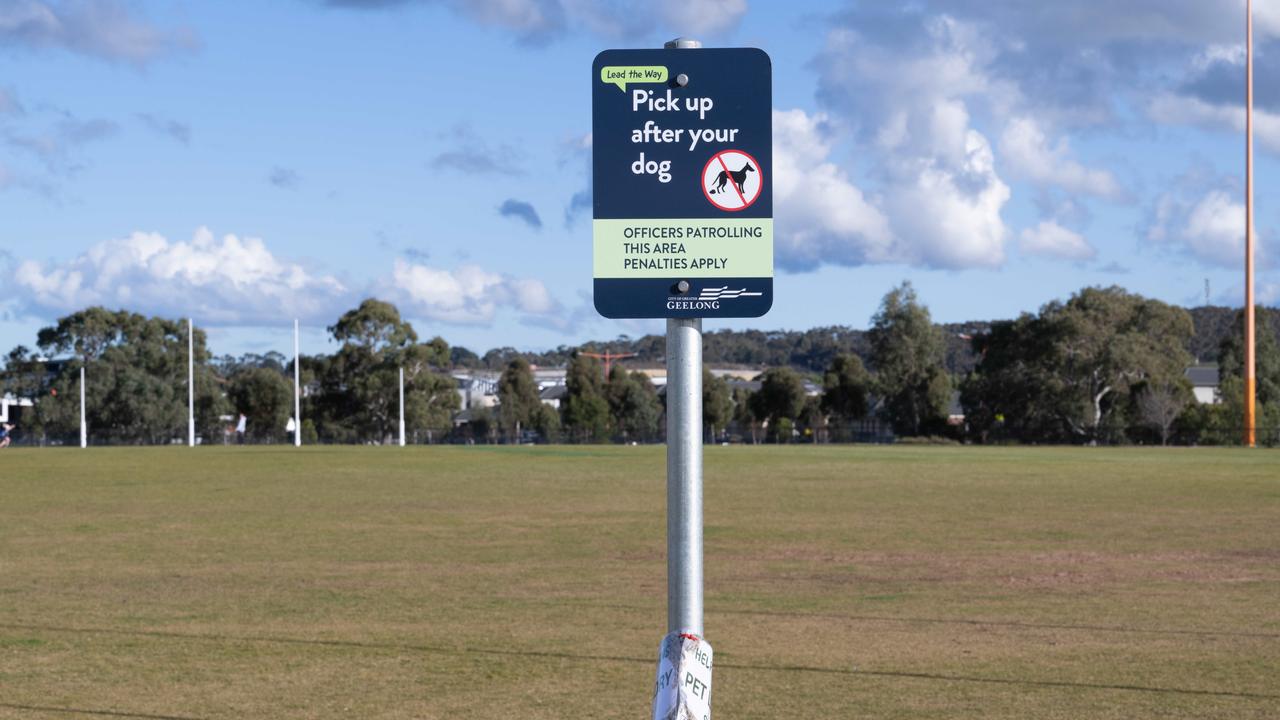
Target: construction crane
608, 359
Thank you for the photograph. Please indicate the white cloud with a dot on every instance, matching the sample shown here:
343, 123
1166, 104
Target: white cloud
949, 216
469, 295
934, 170
1105, 23
822, 216
941, 208
1215, 229
540, 20
1026, 151
1266, 20
238, 281
231, 280
1210, 227
1233, 54
99, 28
524, 16
1173, 109
702, 17
885, 85
923, 89
1050, 239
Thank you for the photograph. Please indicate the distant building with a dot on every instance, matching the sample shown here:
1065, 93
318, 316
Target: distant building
11, 407
552, 395
1204, 383
477, 390
658, 375
738, 373
463, 418
955, 411
547, 377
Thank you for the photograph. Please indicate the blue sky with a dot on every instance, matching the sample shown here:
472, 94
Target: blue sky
248, 162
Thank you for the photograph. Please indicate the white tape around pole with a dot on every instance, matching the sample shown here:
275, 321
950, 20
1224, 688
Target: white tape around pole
683, 687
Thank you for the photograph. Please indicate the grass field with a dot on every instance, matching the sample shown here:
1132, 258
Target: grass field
867, 582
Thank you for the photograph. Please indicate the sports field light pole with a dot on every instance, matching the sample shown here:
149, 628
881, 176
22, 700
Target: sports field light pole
1250, 379
297, 389
684, 463
401, 407
191, 383
84, 425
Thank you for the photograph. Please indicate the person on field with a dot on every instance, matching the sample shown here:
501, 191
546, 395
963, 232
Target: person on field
240, 429
6, 432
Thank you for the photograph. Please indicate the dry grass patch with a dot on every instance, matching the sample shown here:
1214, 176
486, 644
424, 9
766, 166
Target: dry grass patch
523, 582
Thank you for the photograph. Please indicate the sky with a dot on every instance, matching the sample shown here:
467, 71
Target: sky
245, 163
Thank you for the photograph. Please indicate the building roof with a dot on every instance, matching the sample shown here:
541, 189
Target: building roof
463, 417
1203, 375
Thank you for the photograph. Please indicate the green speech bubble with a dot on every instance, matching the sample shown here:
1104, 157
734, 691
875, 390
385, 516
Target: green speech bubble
620, 75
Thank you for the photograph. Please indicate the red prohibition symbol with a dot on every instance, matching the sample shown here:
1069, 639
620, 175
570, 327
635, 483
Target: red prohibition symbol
732, 180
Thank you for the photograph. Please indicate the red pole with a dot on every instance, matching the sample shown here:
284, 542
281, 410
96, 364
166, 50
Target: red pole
1250, 379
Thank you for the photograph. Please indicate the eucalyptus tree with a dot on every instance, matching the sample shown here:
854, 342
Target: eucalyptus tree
908, 353
1070, 372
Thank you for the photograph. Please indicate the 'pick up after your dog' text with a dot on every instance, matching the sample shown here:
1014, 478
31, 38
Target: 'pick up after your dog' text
652, 132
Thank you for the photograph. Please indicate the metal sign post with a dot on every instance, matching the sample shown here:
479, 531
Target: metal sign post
684, 476
683, 229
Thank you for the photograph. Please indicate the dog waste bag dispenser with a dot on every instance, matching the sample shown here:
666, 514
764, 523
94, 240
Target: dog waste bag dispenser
682, 170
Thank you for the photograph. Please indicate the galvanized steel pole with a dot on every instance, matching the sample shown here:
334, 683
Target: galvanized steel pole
684, 464
684, 476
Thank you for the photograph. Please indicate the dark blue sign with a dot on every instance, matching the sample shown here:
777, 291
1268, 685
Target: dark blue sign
682, 183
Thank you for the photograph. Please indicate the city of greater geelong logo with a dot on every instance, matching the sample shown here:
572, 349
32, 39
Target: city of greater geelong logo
708, 298
731, 180
724, 293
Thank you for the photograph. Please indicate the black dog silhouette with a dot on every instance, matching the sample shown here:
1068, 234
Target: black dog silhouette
738, 177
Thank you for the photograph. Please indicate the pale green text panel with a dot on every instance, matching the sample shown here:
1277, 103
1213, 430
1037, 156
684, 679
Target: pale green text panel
731, 247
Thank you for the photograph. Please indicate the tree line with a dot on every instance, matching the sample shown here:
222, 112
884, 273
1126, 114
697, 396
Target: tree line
1108, 366
1104, 366
813, 350
136, 381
